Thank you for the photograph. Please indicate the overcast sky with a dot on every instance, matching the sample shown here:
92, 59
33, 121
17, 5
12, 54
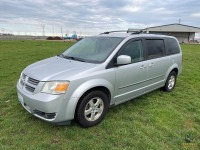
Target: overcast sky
93, 16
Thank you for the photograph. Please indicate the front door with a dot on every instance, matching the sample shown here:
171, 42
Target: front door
131, 78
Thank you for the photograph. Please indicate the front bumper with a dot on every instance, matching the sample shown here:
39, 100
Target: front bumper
51, 108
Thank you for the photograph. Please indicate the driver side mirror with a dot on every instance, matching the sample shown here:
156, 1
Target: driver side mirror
123, 60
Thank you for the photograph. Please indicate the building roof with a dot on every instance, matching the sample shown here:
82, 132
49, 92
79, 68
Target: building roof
174, 28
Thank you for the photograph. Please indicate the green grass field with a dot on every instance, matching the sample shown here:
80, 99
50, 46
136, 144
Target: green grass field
157, 120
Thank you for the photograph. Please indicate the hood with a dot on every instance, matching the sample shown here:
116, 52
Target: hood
57, 68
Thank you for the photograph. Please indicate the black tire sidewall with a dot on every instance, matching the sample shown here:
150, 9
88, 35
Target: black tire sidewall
80, 118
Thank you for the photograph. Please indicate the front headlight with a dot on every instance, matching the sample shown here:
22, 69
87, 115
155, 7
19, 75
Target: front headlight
55, 87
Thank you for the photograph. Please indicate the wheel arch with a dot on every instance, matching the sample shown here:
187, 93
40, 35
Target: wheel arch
175, 70
172, 68
85, 88
99, 88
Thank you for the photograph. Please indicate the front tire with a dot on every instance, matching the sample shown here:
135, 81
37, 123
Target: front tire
170, 82
92, 109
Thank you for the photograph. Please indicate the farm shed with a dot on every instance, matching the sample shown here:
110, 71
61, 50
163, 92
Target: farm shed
183, 33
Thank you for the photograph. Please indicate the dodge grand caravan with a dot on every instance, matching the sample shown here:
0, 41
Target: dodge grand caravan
98, 72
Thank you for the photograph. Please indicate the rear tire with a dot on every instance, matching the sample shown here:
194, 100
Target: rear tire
92, 109
170, 82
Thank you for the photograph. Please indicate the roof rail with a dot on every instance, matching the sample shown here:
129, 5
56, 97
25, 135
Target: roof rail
127, 31
137, 31
108, 32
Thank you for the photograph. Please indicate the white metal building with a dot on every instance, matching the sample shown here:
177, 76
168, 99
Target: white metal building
183, 33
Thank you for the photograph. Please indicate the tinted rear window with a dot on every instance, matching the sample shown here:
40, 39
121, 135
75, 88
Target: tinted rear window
155, 48
172, 46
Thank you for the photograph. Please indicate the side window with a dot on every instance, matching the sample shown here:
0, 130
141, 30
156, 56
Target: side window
172, 46
155, 48
134, 50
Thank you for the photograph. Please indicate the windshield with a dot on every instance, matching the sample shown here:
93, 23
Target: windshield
92, 49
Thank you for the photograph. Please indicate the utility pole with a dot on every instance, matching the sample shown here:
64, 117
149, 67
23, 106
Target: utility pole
53, 30
3, 29
54, 52
81, 30
43, 26
179, 20
61, 32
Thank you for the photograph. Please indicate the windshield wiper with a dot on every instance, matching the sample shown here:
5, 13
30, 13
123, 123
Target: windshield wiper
61, 55
73, 58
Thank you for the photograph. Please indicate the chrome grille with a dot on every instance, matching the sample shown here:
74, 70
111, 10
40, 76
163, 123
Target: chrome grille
28, 84
33, 81
29, 88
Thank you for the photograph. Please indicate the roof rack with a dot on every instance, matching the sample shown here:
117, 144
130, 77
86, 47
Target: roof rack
127, 31
136, 31
108, 32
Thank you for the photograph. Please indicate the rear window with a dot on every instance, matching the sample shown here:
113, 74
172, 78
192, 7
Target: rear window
155, 48
172, 46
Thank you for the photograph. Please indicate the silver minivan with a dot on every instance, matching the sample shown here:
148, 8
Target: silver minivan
96, 73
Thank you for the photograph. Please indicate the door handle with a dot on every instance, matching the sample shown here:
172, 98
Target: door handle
151, 65
142, 67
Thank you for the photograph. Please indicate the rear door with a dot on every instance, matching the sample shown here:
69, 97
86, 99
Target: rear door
157, 63
130, 78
